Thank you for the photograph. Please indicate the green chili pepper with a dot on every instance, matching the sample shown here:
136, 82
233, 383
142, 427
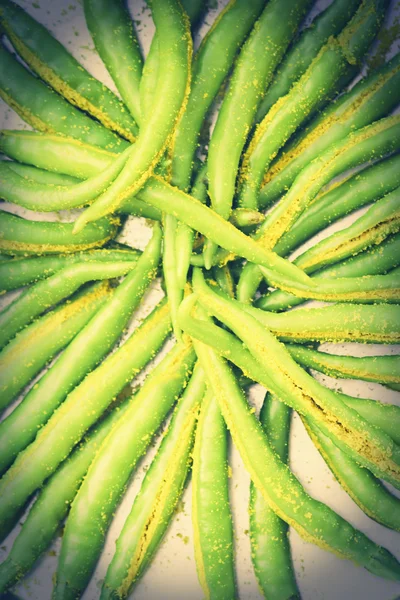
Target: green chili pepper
69, 422
156, 501
270, 548
81, 356
46, 111
57, 67
107, 477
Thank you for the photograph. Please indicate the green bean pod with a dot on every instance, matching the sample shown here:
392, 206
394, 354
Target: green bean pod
30, 350
372, 98
81, 356
211, 512
365, 442
59, 69
108, 475
156, 501
39, 175
21, 237
19, 272
44, 294
313, 520
270, 548
259, 56
379, 369
52, 505
374, 261
69, 422
173, 82
46, 111
365, 489
364, 187
301, 54
111, 28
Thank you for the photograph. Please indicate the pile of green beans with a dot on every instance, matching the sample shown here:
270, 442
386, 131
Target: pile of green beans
292, 134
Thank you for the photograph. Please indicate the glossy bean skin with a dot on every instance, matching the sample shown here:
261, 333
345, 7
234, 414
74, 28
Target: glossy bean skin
50, 237
108, 475
53, 503
291, 382
156, 501
59, 69
380, 369
270, 548
301, 54
69, 423
211, 512
80, 358
372, 98
19, 272
114, 38
46, 111
44, 294
25, 355
312, 519
172, 89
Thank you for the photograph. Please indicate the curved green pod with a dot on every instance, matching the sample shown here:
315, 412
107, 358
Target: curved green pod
339, 200
365, 489
112, 31
108, 475
69, 422
156, 501
24, 356
302, 52
81, 356
374, 261
59, 69
379, 369
313, 520
211, 512
270, 547
50, 237
370, 446
173, 32
46, 111
18, 272
44, 294
39, 175
372, 98
53, 503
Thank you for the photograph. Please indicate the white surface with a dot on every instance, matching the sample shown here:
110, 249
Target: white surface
172, 575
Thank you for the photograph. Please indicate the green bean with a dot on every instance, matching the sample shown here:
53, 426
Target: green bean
50, 237
301, 54
172, 89
374, 261
259, 56
211, 513
313, 520
69, 422
364, 187
59, 69
372, 98
19, 272
39, 175
108, 475
44, 294
113, 35
331, 64
225, 280
369, 445
24, 356
270, 548
156, 501
46, 111
246, 217
365, 489
52, 505
81, 356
